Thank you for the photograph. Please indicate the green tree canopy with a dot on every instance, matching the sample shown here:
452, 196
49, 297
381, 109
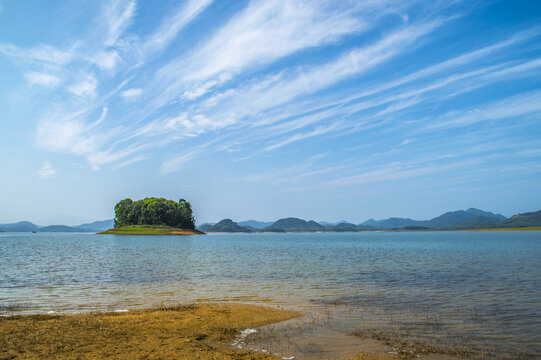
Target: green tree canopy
154, 211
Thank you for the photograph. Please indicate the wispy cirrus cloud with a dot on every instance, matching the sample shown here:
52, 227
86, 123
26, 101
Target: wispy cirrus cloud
131, 94
280, 89
320, 130
237, 46
175, 163
85, 86
46, 171
171, 26
265, 78
43, 79
513, 106
118, 16
42, 53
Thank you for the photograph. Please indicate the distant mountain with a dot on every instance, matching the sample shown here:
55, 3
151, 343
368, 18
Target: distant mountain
522, 220
294, 225
454, 218
58, 228
448, 220
21, 226
255, 224
460, 219
393, 223
369, 222
348, 227
486, 213
226, 225
326, 223
97, 226
477, 222
26, 226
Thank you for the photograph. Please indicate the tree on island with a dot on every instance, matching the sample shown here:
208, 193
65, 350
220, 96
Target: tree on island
154, 211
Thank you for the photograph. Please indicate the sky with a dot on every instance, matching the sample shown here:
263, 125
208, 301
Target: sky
324, 110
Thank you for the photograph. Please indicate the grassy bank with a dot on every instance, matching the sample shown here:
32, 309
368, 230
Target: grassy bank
150, 230
202, 331
531, 228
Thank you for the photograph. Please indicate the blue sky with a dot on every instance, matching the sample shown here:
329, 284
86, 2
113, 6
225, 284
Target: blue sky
322, 110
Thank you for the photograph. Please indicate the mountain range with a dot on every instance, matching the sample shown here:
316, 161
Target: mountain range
447, 220
461, 219
26, 226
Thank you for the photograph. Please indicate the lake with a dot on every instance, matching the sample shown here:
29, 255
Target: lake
476, 289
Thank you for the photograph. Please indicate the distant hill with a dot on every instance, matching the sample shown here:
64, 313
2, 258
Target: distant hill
348, 227
26, 226
206, 224
96, 226
448, 220
477, 222
21, 226
58, 228
486, 213
455, 218
393, 223
522, 220
326, 223
294, 225
460, 219
255, 224
284, 225
226, 225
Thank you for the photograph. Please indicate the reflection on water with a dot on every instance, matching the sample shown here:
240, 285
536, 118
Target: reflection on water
485, 287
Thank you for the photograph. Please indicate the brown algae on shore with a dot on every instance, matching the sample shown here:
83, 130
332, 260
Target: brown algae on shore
201, 331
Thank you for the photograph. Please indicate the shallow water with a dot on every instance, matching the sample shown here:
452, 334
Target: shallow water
482, 289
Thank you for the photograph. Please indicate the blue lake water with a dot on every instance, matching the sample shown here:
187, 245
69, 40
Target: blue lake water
479, 287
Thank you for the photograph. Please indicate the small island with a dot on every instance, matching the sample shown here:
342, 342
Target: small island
153, 216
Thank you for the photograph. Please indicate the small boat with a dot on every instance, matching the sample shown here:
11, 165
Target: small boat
34, 231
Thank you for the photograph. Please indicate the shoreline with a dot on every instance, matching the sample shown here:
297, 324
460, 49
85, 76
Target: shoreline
150, 230
529, 228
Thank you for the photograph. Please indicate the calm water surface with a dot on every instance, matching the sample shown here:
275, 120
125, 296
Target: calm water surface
482, 288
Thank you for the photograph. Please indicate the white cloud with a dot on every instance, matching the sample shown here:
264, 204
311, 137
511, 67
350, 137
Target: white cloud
118, 16
41, 53
46, 171
84, 88
173, 24
175, 163
407, 141
184, 125
513, 106
198, 123
98, 158
317, 131
60, 132
131, 94
69, 133
107, 60
287, 87
131, 161
43, 79
280, 25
